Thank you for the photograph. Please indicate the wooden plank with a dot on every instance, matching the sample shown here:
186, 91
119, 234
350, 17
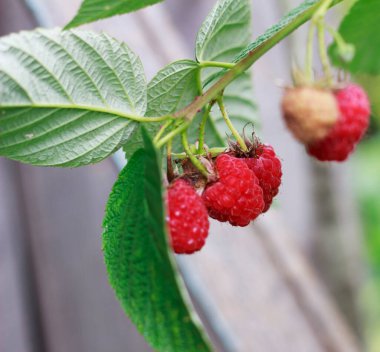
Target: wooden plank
313, 299
20, 329
265, 293
19, 321
14, 17
249, 295
79, 311
336, 250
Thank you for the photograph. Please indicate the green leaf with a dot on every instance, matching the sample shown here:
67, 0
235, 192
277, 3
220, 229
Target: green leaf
93, 10
67, 98
140, 266
223, 35
225, 32
136, 142
170, 90
360, 28
371, 84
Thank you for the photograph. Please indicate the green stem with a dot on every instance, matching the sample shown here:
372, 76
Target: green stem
318, 21
162, 130
191, 156
346, 50
202, 129
337, 36
227, 65
231, 127
243, 64
322, 9
212, 151
199, 81
310, 52
169, 163
323, 52
183, 126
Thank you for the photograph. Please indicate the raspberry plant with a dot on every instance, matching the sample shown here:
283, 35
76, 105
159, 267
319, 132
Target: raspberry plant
69, 98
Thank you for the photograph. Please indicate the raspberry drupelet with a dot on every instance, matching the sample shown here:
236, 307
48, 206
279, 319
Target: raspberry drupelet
267, 168
236, 196
187, 218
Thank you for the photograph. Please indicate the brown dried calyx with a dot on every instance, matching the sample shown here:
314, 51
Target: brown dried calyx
253, 144
192, 174
309, 112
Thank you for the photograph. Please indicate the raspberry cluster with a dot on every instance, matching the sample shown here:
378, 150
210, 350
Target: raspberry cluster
244, 182
329, 122
243, 188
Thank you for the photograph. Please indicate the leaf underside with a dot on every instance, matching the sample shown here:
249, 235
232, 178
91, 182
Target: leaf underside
65, 96
140, 267
93, 10
225, 32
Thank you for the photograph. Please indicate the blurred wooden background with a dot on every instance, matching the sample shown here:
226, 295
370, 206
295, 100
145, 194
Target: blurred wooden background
289, 283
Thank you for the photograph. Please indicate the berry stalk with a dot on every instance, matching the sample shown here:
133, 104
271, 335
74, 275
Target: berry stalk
182, 127
318, 22
162, 130
310, 53
323, 52
192, 157
213, 152
230, 125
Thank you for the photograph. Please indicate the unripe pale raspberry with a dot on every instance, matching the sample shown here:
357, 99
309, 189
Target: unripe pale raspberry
309, 112
267, 168
352, 124
187, 218
236, 196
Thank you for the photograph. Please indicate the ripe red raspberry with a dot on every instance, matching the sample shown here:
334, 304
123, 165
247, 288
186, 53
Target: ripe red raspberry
352, 124
187, 218
267, 167
236, 196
